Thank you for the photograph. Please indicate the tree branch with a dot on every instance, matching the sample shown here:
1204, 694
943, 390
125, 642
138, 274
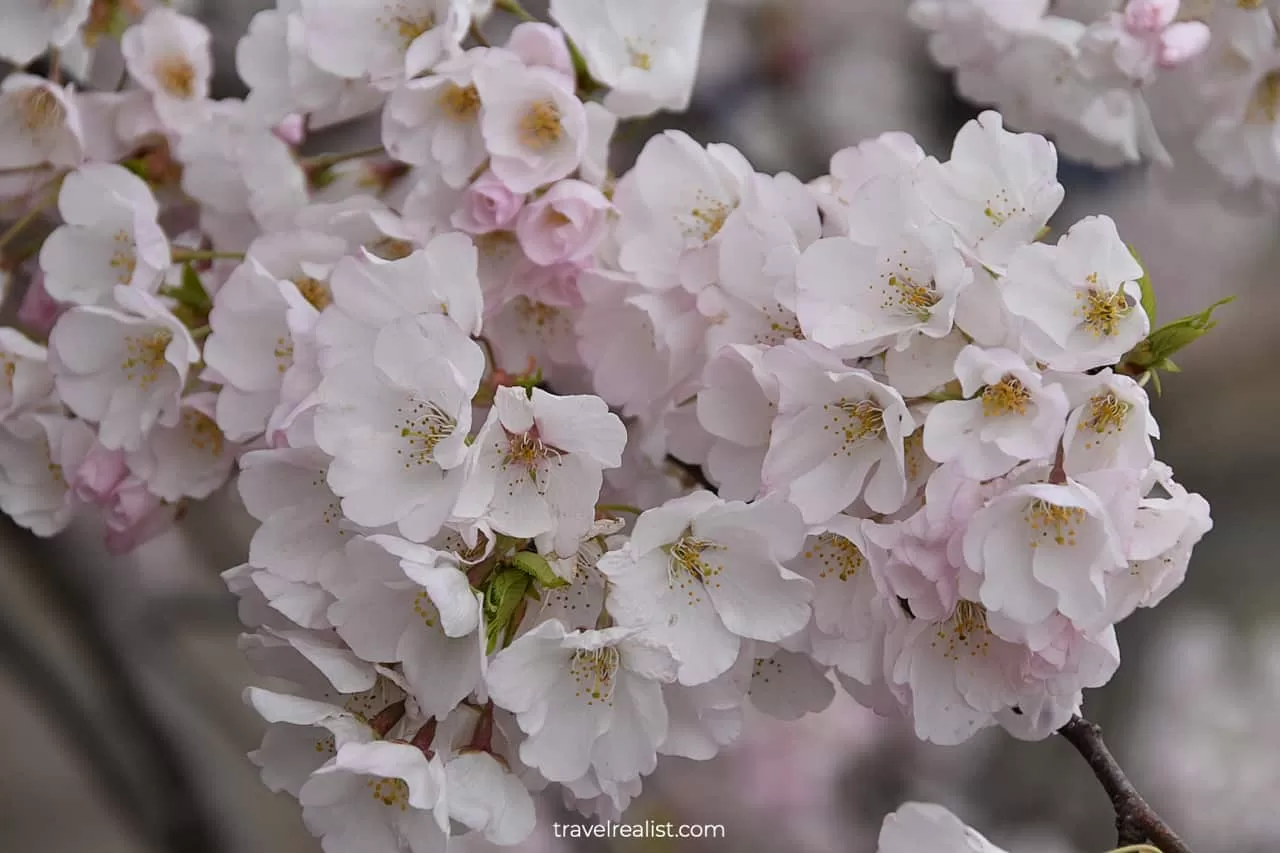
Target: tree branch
1136, 822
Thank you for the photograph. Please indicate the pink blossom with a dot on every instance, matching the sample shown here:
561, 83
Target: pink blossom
487, 206
555, 285
1150, 17
1157, 37
292, 129
135, 516
39, 311
566, 224
1182, 42
99, 475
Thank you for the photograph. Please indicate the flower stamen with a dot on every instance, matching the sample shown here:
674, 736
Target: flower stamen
540, 127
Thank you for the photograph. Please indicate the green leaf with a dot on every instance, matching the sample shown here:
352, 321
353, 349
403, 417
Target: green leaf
537, 567
136, 165
1155, 351
501, 599
191, 292
1148, 292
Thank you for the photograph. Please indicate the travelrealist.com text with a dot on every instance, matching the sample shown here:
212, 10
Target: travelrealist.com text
643, 829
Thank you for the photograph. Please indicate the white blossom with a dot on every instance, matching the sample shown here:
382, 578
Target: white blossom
110, 236
838, 436
169, 55
385, 41
996, 192
703, 575
1011, 415
534, 129
585, 699
647, 55
39, 123
537, 464
38, 452
125, 371
30, 28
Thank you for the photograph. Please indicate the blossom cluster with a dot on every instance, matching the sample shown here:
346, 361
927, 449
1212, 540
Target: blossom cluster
1117, 82
558, 471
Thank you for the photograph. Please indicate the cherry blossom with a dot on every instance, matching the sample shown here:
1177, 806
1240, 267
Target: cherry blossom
534, 129
554, 470
537, 464
703, 574
26, 384
924, 826
436, 120
647, 55
380, 795
997, 191
1080, 298
251, 346
38, 452
839, 435
169, 55
396, 424
433, 630
383, 40
39, 123
586, 699
110, 237
123, 370
913, 283
33, 27
564, 225
1012, 415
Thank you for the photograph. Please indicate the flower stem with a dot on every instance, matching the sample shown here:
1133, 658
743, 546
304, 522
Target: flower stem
181, 256
513, 7
1137, 824
425, 736
27, 218
616, 508
386, 719
482, 737
320, 162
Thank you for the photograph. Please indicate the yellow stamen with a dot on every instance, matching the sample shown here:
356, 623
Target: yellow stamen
854, 421
1102, 310
1008, 396
40, 109
145, 357
176, 76
314, 291
540, 127
460, 103
1052, 522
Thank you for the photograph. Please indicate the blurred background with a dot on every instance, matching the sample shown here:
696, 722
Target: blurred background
120, 679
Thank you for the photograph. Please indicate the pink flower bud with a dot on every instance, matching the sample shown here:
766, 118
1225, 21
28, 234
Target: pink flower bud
39, 311
292, 129
555, 285
99, 474
565, 225
486, 206
1182, 42
1148, 17
135, 516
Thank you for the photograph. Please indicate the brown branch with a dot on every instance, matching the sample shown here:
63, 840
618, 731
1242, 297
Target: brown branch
1136, 822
